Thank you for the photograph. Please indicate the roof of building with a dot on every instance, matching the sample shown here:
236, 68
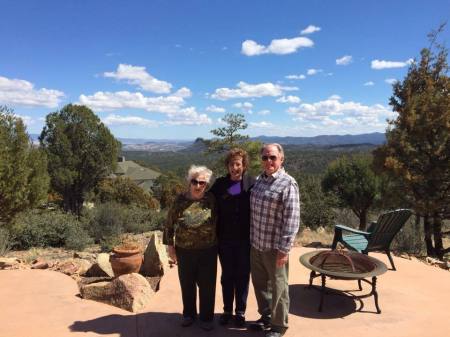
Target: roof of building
134, 171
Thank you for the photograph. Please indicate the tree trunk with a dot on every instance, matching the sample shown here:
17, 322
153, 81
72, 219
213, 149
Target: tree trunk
428, 230
437, 235
363, 220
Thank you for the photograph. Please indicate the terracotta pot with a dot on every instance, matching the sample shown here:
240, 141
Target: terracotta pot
125, 261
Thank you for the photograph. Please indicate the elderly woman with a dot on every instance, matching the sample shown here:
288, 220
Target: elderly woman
190, 234
233, 206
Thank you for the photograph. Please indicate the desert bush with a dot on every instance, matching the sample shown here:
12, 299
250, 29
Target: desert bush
43, 228
5, 241
106, 224
410, 238
140, 220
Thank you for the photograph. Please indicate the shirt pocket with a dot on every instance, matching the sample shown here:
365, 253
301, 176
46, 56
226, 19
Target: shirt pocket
273, 194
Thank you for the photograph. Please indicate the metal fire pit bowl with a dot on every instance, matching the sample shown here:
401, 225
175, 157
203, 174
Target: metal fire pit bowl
343, 265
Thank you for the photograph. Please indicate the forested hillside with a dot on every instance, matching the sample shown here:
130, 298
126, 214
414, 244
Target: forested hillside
300, 159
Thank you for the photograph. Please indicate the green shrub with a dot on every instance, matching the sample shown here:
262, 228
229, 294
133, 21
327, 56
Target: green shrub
43, 228
106, 224
5, 241
140, 220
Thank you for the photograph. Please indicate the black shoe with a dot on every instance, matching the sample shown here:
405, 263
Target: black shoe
187, 321
207, 325
225, 318
272, 333
239, 321
261, 324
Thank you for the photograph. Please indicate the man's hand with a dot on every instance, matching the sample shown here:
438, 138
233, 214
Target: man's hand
282, 259
172, 254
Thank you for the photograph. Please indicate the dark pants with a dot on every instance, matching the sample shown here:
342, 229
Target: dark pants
235, 261
198, 267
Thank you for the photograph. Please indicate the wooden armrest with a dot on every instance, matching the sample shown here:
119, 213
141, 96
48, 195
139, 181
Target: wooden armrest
349, 229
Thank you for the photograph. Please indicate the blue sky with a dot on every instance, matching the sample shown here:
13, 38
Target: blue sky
172, 69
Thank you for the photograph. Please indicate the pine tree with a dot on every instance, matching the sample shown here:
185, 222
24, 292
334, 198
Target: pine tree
23, 169
81, 152
418, 141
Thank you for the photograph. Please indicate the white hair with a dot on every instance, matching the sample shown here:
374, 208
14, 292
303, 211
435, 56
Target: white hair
195, 171
278, 146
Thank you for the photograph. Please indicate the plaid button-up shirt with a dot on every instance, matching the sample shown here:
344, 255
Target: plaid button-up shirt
274, 212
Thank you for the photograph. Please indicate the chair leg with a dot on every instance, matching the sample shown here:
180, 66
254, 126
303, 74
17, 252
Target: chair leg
391, 260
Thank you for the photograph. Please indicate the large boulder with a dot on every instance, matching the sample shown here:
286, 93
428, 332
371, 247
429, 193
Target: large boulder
131, 292
155, 258
101, 268
74, 266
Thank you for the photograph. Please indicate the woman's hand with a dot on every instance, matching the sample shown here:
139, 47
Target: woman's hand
172, 254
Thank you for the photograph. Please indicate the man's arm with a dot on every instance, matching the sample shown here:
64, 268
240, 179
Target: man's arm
291, 218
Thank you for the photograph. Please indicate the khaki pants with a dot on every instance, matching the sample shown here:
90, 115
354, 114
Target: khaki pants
271, 287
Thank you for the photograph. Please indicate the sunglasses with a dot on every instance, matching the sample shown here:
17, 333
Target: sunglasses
266, 158
198, 182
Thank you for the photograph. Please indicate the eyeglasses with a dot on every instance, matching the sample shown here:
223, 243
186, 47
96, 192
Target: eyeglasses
198, 182
266, 158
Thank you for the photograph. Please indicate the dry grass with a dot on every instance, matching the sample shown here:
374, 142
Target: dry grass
310, 238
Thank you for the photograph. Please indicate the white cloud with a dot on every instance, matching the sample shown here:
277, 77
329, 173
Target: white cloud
296, 77
213, 108
183, 92
289, 99
313, 71
380, 64
344, 60
22, 93
113, 119
246, 90
310, 29
171, 106
391, 80
138, 76
264, 112
333, 112
334, 97
245, 105
261, 125
276, 46
104, 100
188, 116
369, 84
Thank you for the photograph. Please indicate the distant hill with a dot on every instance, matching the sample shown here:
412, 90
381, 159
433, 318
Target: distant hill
158, 145
375, 138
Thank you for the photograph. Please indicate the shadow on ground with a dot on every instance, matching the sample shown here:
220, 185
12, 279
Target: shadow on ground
153, 324
305, 303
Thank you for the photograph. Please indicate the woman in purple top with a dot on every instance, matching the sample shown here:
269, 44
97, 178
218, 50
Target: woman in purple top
232, 193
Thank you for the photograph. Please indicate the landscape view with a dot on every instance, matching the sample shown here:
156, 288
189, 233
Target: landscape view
104, 107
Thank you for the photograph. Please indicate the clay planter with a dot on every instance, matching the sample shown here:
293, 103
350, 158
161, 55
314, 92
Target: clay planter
125, 261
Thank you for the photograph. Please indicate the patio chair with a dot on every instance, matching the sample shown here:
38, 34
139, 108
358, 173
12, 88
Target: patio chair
378, 236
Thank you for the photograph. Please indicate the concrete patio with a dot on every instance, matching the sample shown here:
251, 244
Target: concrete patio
414, 301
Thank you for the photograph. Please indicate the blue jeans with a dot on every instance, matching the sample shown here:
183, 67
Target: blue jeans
234, 258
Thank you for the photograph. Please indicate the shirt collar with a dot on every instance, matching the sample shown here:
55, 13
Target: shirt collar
274, 175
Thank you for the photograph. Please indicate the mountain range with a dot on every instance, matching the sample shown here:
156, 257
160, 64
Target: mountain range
158, 145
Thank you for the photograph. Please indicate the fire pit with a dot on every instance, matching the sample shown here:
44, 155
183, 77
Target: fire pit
344, 265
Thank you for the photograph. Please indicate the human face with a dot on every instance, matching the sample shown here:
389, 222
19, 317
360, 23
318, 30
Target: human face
197, 186
271, 160
236, 168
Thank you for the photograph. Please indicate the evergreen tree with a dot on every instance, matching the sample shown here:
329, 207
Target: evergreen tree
81, 152
23, 169
418, 140
228, 138
354, 183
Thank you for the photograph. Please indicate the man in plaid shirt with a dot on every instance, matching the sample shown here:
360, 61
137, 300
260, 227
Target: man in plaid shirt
275, 218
